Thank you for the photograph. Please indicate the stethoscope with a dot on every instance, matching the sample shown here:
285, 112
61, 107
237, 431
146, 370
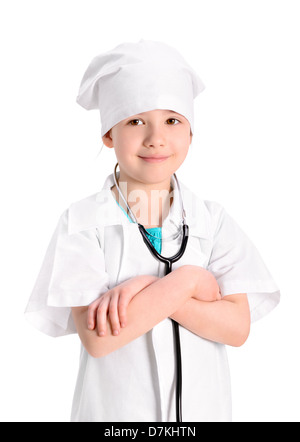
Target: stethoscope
168, 268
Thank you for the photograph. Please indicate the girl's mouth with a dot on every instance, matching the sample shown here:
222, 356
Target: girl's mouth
154, 159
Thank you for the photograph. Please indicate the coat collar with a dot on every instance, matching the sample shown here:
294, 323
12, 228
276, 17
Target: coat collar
100, 210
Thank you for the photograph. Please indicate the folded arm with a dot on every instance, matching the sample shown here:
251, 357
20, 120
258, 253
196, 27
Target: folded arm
149, 307
226, 321
189, 295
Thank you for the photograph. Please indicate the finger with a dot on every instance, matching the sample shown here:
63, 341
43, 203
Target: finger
114, 314
102, 317
123, 304
91, 314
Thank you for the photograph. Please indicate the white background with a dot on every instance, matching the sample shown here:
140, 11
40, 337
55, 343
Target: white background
244, 155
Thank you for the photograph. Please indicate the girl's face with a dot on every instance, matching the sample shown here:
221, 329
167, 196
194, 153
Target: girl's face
150, 146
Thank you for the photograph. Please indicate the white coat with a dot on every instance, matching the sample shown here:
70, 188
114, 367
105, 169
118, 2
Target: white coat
94, 248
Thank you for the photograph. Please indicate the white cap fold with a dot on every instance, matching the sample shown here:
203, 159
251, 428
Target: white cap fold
138, 77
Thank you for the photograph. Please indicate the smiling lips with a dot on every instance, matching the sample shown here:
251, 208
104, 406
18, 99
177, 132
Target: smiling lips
154, 159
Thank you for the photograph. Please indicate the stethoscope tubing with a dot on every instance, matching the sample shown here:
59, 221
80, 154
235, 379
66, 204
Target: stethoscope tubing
168, 269
176, 333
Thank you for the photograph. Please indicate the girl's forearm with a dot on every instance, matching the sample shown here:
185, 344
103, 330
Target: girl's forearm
226, 321
149, 307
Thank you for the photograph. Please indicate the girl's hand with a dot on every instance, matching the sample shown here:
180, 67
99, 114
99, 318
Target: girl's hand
114, 304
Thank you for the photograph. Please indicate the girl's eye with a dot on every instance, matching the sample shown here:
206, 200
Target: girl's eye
136, 122
172, 121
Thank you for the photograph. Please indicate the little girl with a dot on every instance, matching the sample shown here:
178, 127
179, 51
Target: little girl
99, 280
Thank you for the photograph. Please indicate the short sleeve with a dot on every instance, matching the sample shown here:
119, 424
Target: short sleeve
72, 274
238, 267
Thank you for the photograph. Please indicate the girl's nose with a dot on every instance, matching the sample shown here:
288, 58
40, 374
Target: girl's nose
155, 137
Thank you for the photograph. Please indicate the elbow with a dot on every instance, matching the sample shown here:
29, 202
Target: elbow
241, 336
98, 347
93, 345
97, 351
94, 353
239, 341
91, 349
241, 328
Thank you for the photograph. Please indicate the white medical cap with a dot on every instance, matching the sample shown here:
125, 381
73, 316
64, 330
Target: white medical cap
139, 77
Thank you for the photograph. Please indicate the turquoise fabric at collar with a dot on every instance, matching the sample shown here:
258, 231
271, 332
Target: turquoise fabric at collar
156, 238
155, 231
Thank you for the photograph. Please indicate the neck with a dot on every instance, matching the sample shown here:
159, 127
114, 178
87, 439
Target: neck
149, 202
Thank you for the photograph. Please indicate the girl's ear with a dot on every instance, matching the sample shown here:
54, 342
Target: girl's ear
107, 139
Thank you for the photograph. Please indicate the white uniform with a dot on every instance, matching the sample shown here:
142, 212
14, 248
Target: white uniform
94, 248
